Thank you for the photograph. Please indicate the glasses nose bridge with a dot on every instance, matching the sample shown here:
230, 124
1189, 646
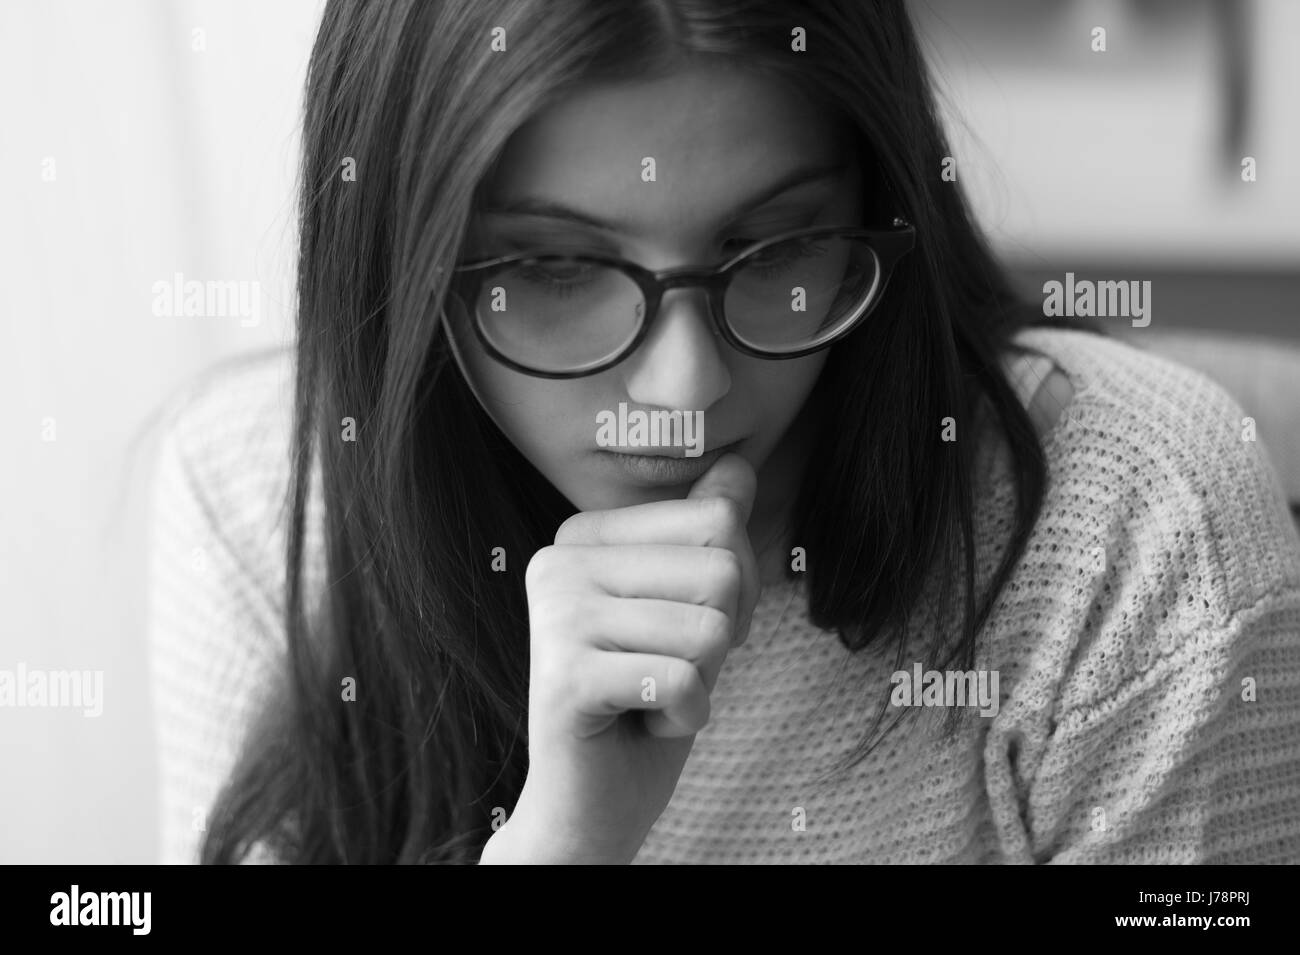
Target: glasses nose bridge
709, 279
712, 280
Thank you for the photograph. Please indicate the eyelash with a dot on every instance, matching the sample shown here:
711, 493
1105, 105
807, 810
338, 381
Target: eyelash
563, 290
537, 275
808, 250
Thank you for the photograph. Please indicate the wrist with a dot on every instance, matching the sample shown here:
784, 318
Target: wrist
518, 842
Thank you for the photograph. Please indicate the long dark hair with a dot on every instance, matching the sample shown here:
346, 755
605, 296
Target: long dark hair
412, 93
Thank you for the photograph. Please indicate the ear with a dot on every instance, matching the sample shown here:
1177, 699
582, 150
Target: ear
1049, 401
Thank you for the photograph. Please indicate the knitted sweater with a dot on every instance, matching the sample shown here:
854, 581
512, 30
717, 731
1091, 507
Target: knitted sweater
1146, 648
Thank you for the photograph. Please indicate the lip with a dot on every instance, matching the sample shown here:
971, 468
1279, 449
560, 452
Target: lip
666, 467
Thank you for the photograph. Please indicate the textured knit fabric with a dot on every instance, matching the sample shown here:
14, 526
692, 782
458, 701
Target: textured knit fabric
1147, 647
1261, 373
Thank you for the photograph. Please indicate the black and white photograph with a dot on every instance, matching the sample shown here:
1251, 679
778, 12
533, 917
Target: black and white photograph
679, 432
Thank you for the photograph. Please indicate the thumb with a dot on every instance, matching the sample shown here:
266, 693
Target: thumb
731, 477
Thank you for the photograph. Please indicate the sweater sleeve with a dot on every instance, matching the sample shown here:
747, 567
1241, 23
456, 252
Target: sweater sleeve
1171, 730
1195, 759
214, 625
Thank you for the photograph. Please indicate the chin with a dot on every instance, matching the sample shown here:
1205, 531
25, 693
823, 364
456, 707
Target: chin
615, 495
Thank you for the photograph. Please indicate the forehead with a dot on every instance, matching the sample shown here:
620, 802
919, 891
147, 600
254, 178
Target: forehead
715, 132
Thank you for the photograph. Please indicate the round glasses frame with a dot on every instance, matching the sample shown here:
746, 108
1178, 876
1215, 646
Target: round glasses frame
887, 245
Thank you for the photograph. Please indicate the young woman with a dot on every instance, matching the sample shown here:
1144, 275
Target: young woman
943, 583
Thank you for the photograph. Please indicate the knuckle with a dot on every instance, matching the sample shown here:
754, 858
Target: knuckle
714, 628
724, 567
553, 676
706, 711
723, 514
547, 567
581, 525
548, 616
561, 617
539, 567
681, 681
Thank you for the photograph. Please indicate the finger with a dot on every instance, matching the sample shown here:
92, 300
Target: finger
700, 522
689, 521
732, 478
614, 683
699, 634
708, 576
686, 521
714, 514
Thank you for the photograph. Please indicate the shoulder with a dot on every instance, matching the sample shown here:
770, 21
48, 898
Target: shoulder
1163, 522
217, 544
224, 464
1041, 386
1170, 447
237, 411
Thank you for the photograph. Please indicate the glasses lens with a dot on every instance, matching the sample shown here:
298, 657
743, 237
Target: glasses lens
557, 314
801, 292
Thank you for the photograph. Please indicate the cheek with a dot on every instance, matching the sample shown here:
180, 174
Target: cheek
779, 390
550, 422
533, 412
545, 419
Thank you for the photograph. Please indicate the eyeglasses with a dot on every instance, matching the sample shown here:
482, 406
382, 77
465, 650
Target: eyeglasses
556, 315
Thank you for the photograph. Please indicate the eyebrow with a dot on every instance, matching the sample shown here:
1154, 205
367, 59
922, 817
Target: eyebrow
528, 206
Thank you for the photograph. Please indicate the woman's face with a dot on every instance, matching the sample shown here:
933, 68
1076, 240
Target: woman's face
721, 141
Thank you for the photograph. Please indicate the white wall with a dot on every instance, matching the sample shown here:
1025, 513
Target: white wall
167, 159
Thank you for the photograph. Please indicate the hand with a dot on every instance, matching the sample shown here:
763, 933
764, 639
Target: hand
631, 612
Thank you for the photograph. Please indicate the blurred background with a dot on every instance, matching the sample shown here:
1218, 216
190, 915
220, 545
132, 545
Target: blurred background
1128, 163
148, 138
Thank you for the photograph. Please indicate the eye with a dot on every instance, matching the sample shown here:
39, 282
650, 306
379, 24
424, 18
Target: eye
775, 259
562, 278
558, 273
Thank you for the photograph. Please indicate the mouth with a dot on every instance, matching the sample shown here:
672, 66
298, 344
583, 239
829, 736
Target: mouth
663, 467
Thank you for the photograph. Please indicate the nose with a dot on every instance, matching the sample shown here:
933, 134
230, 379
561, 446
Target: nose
680, 364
